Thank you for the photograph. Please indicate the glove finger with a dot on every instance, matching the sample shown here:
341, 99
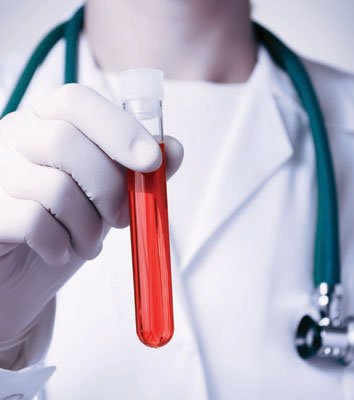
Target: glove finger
116, 132
60, 145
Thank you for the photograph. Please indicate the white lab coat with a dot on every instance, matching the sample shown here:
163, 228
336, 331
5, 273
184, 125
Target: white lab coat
240, 284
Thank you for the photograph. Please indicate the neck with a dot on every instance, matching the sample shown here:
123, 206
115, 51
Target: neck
193, 40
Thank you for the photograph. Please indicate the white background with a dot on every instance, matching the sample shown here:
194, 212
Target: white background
319, 29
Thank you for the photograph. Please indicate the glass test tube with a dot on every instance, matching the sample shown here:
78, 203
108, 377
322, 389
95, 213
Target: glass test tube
141, 92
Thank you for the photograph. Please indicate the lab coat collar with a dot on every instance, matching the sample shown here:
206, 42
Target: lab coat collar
259, 142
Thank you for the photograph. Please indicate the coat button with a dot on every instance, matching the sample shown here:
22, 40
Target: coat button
17, 396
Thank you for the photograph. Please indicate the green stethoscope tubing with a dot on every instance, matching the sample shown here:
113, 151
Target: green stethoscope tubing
327, 252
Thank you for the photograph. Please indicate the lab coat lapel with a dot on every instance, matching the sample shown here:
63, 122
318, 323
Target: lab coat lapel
257, 145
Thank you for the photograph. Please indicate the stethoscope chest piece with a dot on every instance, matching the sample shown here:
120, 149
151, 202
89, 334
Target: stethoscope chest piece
329, 338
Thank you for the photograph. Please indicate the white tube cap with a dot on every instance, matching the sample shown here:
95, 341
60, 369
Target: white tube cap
140, 83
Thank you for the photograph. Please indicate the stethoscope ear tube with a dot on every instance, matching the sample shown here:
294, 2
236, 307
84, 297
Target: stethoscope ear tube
327, 254
36, 59
71, 31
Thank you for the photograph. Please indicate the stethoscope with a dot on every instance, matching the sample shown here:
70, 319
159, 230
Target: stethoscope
327, 337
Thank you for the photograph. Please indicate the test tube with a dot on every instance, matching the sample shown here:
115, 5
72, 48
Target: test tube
141, 92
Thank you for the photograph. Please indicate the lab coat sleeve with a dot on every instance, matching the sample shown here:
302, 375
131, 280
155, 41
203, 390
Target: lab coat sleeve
28, 374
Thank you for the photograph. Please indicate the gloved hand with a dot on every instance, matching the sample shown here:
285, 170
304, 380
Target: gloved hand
62, 186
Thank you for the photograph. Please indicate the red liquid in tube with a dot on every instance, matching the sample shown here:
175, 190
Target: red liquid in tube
151, 255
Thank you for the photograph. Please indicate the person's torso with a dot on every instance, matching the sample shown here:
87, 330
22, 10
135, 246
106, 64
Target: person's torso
242, 277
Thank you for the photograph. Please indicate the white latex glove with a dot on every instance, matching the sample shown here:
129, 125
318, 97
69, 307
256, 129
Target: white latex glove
62, 186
